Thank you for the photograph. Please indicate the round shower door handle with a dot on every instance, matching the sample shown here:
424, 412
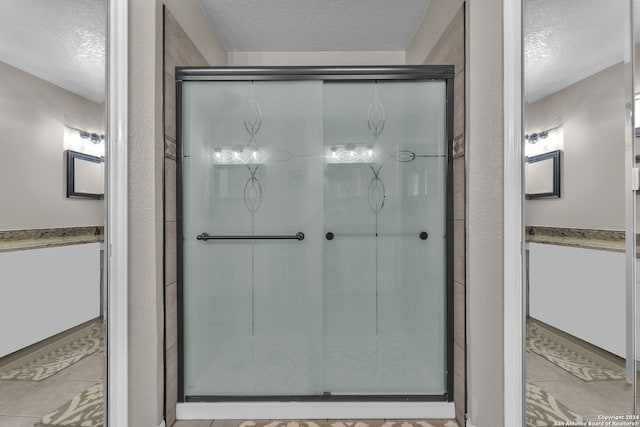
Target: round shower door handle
423, 235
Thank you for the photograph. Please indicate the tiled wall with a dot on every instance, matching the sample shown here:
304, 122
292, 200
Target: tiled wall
450, 50
179, 50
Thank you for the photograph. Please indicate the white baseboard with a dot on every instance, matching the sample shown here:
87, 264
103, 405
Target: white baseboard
313, 410
162, 424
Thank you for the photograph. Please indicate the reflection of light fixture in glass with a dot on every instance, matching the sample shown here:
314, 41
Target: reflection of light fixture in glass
239, 155
351, 153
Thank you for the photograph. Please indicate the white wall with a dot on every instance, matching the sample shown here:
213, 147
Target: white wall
315, 58
484, 155
592, 115
47, 291
145, 162
33, 116
437, 17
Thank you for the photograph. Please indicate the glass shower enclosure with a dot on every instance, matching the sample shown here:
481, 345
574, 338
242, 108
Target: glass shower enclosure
314, 230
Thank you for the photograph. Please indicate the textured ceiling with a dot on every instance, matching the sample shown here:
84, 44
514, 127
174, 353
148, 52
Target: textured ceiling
568, 40
61, 41
316, 25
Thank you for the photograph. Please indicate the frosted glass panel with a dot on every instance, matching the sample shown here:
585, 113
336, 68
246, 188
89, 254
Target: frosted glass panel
357, 306
252, 308
384, 286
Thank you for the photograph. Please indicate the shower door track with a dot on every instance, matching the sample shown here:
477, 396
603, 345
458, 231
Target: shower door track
325, 398
327, 405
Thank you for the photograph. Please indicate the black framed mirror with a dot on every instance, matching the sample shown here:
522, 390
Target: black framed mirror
85, 176
542, 176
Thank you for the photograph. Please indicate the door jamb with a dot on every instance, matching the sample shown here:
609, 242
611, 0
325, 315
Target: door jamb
514, 395
116, 413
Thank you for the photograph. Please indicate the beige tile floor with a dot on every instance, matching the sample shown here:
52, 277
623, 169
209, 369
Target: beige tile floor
23, 403
588, 399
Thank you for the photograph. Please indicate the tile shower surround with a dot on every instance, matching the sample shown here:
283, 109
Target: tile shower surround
450, 49
179, 50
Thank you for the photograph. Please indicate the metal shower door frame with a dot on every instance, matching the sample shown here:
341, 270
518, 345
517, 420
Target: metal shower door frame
330, 73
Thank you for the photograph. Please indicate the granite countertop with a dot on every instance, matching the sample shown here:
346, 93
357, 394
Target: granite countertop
16, 240
607, 240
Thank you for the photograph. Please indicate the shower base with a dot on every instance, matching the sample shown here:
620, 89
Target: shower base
314, 410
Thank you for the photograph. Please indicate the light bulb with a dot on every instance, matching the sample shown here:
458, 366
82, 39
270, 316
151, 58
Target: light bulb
351, 152
369, 151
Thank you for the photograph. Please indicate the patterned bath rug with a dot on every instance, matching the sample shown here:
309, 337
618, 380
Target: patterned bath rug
568, 354
418, 423
84, 410
54, 354
349, 423
543, 410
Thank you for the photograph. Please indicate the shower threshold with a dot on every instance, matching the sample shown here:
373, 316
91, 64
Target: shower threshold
314, 410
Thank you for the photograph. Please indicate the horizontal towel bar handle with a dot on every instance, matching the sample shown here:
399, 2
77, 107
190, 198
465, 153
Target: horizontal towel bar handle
207, 236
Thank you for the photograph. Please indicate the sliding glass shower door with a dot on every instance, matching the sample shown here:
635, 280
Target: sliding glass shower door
252, 307
384, 249
313, 223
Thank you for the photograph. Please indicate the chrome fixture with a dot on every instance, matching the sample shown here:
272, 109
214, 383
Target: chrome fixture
94, 137
536, 136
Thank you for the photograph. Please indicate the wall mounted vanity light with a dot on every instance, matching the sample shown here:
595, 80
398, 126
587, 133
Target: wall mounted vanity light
83, 141
534, 137
93, 137
544, 141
